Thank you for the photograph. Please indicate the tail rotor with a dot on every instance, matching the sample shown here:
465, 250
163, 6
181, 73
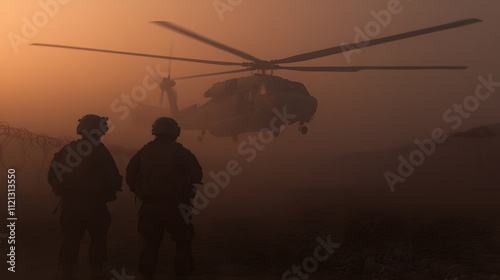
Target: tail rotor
167, 87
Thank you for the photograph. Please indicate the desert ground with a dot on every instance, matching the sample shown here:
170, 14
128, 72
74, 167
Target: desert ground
442, 223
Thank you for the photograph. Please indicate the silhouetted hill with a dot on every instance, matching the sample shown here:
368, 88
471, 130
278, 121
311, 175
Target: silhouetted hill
481, 131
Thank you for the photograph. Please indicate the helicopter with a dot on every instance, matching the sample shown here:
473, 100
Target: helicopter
246, 104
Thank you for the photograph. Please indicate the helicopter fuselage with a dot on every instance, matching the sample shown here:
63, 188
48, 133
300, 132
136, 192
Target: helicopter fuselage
249, 104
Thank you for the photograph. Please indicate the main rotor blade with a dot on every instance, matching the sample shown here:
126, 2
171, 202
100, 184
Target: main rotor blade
361, 68
141, 54
211, 74
349, 47
205, 40
170, 61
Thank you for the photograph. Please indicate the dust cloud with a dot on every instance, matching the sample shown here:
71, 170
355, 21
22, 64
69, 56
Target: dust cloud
334, 176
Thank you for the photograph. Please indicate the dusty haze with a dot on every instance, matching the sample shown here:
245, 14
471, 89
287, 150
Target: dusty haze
47, 90
298, 186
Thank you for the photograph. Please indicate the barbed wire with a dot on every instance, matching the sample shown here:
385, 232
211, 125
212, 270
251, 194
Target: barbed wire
27, 139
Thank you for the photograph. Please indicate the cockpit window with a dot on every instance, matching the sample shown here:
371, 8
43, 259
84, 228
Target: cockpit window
287, 87
278, 87
298, 87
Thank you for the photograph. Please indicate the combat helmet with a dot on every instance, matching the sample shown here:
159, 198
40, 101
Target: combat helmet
92, 122
166, 126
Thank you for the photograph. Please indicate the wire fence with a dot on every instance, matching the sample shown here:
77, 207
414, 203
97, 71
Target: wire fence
31, 154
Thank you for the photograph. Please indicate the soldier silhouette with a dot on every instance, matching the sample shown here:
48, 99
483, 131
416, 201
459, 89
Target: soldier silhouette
161, 174
85, 175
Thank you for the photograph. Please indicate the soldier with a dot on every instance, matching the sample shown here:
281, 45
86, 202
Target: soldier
85, 175
162, 175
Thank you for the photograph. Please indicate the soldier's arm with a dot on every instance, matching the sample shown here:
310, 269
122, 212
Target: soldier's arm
133, 169
56, 170
109, 168
51, 176
190, 165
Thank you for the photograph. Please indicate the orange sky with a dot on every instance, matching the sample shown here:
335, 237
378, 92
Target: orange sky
47, 90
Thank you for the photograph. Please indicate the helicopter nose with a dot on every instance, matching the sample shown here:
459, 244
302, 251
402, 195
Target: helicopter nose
304, 107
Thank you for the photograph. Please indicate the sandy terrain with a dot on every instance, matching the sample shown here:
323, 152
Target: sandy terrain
442, 223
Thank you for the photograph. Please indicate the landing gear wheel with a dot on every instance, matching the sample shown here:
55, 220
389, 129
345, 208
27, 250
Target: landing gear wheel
303, 129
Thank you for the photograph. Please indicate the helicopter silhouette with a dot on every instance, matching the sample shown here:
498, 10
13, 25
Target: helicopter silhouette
248, 103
